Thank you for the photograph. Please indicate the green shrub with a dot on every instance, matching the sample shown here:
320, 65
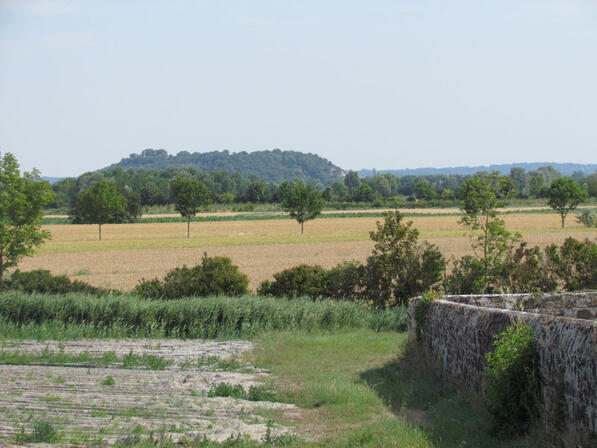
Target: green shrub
421, 309
43, 281
298, 281
587, 217
525, 270
575, 263
215, 276
43, 432
344, 281
466, 276
513, 380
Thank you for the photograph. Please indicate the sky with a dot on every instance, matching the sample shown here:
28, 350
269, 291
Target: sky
366, 84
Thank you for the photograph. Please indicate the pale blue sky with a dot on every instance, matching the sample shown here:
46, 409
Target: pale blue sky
366, 84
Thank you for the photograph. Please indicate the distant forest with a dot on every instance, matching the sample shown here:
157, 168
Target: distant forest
270, 166
245, 185
567, 169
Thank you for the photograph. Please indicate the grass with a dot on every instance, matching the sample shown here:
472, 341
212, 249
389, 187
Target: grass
42, 432
330, 214
367, 389
84, 359
255, 393
45, 317
215, 363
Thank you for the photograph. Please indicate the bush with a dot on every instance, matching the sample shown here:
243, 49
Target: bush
521, 270
466, 276
513, 380
215, 276
344, 281
525, 270
298, 281
43, 281
421, 309
587, 217
575, 263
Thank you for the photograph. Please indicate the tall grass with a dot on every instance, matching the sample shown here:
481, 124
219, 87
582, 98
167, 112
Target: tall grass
44, 316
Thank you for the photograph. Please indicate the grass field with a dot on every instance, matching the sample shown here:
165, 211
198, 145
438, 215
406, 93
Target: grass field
129, 252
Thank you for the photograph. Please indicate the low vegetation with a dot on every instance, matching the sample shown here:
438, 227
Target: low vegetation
43, 281
513, 381
215, 276
49, 316
84, 359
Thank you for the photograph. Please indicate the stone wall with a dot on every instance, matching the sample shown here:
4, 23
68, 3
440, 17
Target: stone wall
459, 333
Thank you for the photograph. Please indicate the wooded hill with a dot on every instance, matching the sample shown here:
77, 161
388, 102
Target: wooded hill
269, 166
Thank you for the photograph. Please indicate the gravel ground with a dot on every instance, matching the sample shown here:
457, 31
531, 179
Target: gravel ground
171, 402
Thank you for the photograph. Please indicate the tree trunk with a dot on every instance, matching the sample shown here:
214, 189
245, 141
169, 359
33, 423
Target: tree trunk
100, 232
188, 226
563, 219
302, 224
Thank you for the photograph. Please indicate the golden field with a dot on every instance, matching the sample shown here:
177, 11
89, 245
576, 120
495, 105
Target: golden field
129, 252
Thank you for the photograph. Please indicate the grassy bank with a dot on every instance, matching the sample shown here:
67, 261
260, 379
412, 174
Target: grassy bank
42, 316
366, 389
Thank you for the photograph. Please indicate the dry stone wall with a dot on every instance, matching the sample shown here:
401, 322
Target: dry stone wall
459, 331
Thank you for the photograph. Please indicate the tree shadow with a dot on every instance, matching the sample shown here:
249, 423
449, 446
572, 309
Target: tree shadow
449, 417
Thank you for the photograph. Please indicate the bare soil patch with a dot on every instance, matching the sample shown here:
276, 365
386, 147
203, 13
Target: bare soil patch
82, 406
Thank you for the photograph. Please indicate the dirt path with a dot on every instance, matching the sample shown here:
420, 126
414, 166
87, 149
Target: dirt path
83, 404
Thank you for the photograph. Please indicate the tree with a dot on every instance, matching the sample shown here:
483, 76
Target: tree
364, 193
399, 267
423, 190
564, 195
303, 202
352, 182
190, 196
481, 197
22, 200
101, 203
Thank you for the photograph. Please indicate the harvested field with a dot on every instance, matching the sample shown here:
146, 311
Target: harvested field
83, 406
129, 252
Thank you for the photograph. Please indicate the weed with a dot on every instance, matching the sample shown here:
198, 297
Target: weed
43, 432
108, 381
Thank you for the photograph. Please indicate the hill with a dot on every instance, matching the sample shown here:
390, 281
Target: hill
270, 166
567, 169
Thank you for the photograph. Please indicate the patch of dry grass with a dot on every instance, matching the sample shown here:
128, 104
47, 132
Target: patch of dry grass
129, 252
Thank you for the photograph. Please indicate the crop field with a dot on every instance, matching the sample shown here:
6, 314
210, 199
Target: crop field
130, 252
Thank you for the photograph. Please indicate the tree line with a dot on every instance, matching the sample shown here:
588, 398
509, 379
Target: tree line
398, 266
153, 187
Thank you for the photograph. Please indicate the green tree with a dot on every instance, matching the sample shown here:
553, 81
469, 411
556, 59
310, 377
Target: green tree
101, 203
423, 190
352, 182
190, 196
399, 267
303, 202
564, 195
481, 197
364, 193
22, 200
